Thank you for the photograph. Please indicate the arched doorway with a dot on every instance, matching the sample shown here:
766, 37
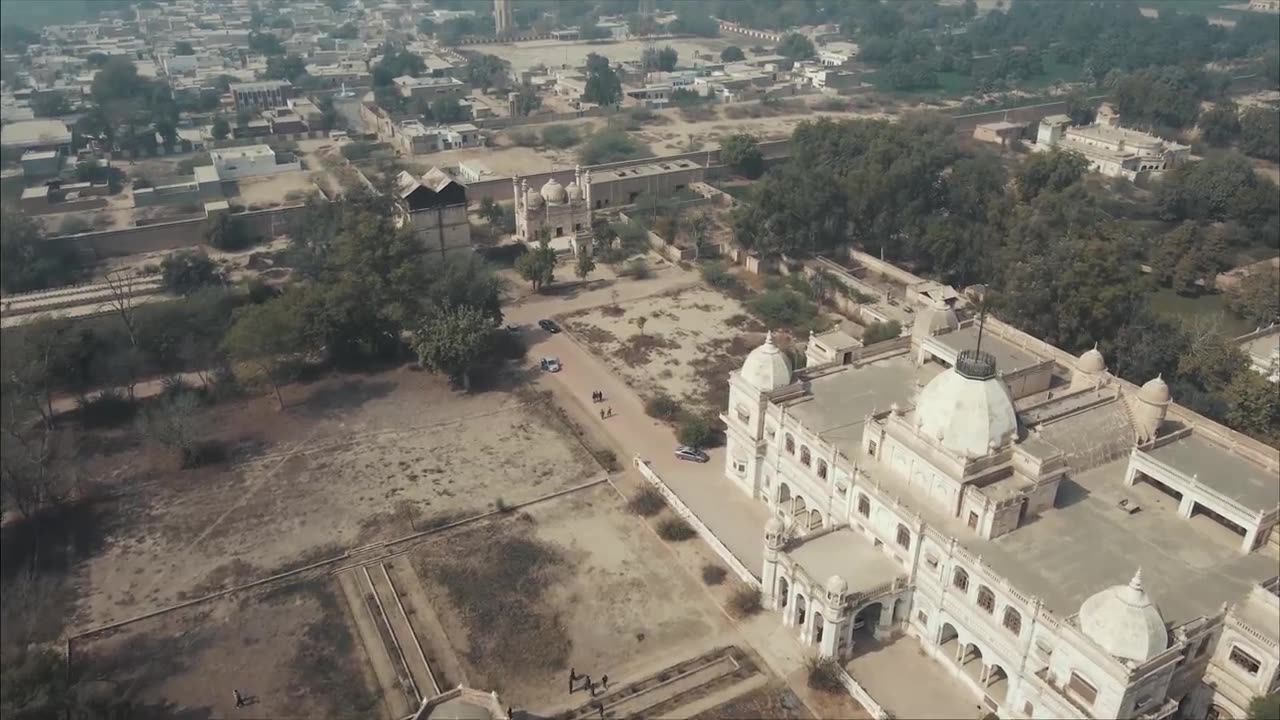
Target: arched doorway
899, 611
866, 620
818, 625
784, 494
798, 507
971, 663
815, 520
800, 610
997, 684
784, 589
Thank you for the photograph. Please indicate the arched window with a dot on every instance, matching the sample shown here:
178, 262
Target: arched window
986, 599
1012, 621
864, 506
822, 469
791, 444
904, 537
805, 458
960, 580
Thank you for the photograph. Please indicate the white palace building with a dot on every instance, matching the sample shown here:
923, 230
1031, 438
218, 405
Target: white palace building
1067, 544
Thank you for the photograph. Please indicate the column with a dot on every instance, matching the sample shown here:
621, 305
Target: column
1185, 507
1250, 539
1130, 475
831, 633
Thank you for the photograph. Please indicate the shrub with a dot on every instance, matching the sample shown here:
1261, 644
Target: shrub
694, 432
713, 574
745, 602
675, 529
783, 307
718, 276
560, 136
108, 409
881, 331
611, 145
822, 674
524, 138
662, 407
647, 502
608, 460
358, 150
637, 269
186, 271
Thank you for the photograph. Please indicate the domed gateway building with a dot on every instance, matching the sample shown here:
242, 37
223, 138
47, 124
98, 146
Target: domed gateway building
563, 213
988, 498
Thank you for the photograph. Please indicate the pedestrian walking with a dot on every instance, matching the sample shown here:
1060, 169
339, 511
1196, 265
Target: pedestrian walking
604, 682
239, 697
600, 707
573, 677
610, 412
602, 414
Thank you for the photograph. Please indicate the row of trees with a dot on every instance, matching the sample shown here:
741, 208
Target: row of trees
1255, 130
1064, 268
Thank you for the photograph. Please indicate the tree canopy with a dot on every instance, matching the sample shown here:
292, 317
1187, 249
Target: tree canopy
603, 87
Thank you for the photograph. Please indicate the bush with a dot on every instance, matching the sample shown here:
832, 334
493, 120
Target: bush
647, 502
880, 332
745, 602
611, 145
694, 432
662, 407
637, 269
358, 150
109, 409
675, 529
186, 271
524, 138
717, 275
783, 307
560, 136
713, 574
822, 674
608, 460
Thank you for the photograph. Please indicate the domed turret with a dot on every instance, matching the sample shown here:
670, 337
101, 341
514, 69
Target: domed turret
533, 200
553, 192
936, 320
574, 192
836, 585
1124, 622
967, 408
1090, 369
1150, 407
766, 368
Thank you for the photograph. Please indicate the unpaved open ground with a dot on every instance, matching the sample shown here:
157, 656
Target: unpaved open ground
554, 53
690, 342
574, 582
289, 649
354, 459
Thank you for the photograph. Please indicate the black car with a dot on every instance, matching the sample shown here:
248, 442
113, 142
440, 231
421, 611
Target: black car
549, 326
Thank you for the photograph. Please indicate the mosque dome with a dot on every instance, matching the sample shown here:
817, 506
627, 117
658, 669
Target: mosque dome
766, 368
967, 408
554, 193
1155, 391
1091, 362
574, 192
836, 585
1123, 620
533, 199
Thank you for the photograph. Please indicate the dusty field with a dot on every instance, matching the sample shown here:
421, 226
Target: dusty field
575, 582
554, 53
274, 190
290, 649
353, 460
691, 340
775, 702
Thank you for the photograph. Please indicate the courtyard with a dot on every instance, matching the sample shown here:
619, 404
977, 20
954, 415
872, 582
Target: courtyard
908, 683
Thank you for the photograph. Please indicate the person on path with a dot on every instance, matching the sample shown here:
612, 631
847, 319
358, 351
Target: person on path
602, 414
573, 677
604, 682
239, 697
610, 412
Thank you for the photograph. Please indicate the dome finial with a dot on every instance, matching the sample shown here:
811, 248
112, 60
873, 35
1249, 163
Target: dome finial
768, 337
1136, 582
1095, 344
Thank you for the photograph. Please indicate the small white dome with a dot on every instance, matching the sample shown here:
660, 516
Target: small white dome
1124, 622
969, 416
836, 585
533, 199
553, 192
1155, 391
935, 320
574, 192
773, 526
1091, 362
766, 368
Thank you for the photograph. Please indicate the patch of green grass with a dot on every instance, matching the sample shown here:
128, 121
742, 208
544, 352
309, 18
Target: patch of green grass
1172, 305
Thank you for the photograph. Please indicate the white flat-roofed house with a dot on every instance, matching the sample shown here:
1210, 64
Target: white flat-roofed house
1111, 150
249, 161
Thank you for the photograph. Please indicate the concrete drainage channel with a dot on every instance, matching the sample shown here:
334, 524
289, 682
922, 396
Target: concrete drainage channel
676, 687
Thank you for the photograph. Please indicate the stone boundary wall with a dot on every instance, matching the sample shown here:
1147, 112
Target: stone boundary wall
682, 510
860, 694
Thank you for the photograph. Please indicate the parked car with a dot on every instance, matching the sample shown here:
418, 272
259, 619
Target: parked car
692, 454
551, 364
549, 326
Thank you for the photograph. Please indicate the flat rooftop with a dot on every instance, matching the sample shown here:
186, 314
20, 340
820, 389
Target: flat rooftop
655, 168
838, 403
847, 554
1009, 357
1086, 543
1215, 466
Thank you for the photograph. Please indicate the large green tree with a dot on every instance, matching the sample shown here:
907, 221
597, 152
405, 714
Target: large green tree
740, 152
28, 261
454, 341
602, 86
273, 336
1260, 133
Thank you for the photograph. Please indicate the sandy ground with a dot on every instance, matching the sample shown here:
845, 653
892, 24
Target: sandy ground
690, 341
554, 53
353, 460
603, 600
289, 650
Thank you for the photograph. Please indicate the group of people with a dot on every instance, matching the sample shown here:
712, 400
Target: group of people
598, 396
587, 684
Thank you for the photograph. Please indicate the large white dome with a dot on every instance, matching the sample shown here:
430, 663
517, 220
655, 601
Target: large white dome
766, 368
1091, 362
553, 192
1123, 620
970, 415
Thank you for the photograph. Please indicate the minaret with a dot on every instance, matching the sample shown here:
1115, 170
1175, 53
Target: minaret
774, 540
502, 17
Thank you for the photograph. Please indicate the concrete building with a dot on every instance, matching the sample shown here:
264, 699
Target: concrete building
262, 95
412, 137
1063, 543
998, 133
250, 161
430, 88
36, 135
630, 185
41, 163
1110, 149
434, 206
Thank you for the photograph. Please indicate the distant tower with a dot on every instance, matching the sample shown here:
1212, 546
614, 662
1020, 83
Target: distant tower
502, 17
